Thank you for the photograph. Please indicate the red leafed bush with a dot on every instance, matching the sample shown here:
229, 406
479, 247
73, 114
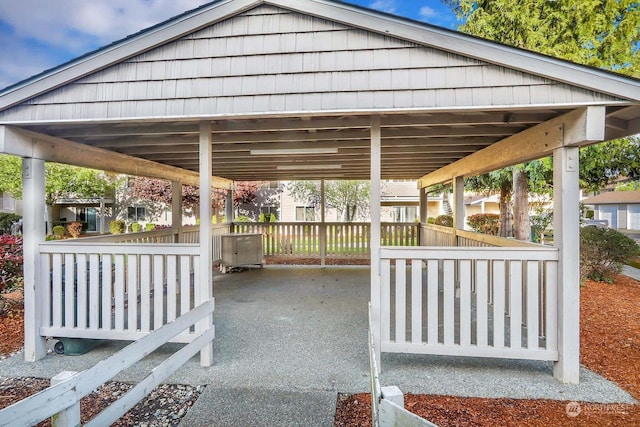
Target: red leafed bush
10, 262
74, 229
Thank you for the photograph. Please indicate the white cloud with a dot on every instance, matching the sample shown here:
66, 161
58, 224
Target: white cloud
388, 6
36, 35
427, 12
67, 22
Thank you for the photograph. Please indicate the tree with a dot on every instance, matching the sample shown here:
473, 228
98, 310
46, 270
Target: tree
496, 181
61, 181
597, 33
349, 198
159, 191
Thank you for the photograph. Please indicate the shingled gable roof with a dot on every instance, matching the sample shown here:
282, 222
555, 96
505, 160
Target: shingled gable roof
420, 33
614, 197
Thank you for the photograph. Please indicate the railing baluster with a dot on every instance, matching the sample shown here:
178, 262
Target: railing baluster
401, 300
515, 311
145, 293
482, 302
465, 302
57, 290
119, 292
69, 290
416, 301
533, 287
47, 300
158, 291
94, 291
82, 291
172, 293
132, 292
185, 284
432, 301
498, 302
107, 291
449, 301
385, 301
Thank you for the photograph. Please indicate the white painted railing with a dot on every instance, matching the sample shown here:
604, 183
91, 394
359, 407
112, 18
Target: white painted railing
116, 291
62, 400
484, 302
331, 240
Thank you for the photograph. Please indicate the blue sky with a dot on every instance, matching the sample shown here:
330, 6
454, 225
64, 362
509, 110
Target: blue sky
36, 35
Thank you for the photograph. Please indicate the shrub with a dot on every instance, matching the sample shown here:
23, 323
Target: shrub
242, 218
431, 220
603, 251
74, 229
136, 227
10, 262
273, 218
444, 220
484, 223
116, 226
6, 219
149, 226
58, 232
262, 217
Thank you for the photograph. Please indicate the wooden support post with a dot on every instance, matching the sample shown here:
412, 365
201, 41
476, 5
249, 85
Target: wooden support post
376, 143
458, 203
176, 209
323, 227
566, 199
33, 208
204, 289
424, 205
69, 417
228, 205
102, 216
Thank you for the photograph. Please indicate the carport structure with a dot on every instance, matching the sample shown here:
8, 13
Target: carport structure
318, 89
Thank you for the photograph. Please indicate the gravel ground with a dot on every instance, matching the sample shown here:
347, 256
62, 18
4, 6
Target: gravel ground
165, 406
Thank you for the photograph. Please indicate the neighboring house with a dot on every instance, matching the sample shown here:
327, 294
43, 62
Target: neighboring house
620, 208
481, 204
10, 205
399, 199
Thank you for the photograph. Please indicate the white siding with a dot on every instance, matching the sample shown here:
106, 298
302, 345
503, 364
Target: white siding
633, 215
272, 60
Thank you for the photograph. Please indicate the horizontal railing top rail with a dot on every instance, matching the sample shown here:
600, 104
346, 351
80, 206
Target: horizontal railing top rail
78, 246
486, 239
539, 253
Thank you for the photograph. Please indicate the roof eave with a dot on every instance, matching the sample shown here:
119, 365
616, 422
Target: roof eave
424, 34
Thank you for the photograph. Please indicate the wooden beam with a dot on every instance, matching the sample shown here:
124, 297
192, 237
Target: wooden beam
577, 128
296, 123
24, 143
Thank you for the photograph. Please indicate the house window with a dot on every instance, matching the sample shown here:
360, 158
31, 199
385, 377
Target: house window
136, 213
305, 213
405, 213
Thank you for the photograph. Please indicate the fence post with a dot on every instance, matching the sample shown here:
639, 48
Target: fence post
69, 417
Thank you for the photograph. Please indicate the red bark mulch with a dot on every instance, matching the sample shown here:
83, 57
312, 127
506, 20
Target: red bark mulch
610, 346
